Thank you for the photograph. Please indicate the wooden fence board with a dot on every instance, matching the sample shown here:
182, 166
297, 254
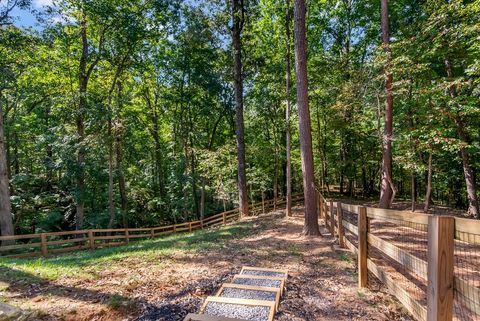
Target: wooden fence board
349, 226
19, 246
399, 216
66, 241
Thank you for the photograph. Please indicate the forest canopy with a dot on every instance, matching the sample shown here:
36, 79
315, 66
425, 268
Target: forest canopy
122, 112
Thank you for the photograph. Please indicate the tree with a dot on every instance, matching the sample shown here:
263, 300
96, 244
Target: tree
288, 133
6, 220
238, 16
387, 189
311, 217
6, 8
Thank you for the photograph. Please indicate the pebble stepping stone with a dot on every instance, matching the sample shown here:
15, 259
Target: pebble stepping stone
253, 295
257, 271
255, 280
251, 310
206, 317
241, 291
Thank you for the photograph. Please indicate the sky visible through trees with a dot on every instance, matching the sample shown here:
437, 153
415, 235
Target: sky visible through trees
123, 113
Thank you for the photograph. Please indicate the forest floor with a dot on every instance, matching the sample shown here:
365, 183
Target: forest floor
164, 279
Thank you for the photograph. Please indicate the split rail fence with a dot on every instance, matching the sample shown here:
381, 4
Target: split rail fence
43, 244
430, 263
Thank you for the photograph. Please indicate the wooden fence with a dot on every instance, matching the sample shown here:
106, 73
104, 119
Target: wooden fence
43, 244
430, 263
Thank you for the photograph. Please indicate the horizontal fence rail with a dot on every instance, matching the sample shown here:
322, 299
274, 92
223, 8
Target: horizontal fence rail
43, 244
430, 263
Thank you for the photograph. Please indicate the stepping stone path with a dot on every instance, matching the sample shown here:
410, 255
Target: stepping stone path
253, 295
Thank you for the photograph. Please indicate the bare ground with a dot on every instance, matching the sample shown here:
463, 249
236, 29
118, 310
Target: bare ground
322, 283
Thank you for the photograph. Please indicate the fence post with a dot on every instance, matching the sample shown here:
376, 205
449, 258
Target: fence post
43, 241
332, 219
362, 247
224, 218
441, 233
341, 232
91, 240
152, 233
127, 240
190, 226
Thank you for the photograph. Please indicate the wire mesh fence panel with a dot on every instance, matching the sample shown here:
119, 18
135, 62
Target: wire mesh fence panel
467, 277
397, 247
400, 247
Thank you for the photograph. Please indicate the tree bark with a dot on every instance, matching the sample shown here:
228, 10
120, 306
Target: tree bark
82, 106
467, 168
387, 190
414, 190
428, 193
111, 204
6, 219
202, 199
119, 160
311, 216
288, 147
238, 16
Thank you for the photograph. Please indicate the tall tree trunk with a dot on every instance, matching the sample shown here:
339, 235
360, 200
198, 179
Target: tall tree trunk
288, 147
119, 160
111, 204
194, 182
387, 190
311, 216
49, 152
6, 219
238, 13
428, 193
202, 199
82, 106
121, 179
414, 188
467, 168
413, 174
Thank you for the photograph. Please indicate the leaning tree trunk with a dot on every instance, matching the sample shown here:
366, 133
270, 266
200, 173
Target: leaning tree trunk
238, 21
288, 146
387, 191
467, 168
311, 217
6, 220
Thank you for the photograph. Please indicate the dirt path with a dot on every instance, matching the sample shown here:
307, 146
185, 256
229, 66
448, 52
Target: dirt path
322, 282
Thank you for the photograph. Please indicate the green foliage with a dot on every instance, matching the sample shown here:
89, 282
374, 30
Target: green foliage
160, 95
